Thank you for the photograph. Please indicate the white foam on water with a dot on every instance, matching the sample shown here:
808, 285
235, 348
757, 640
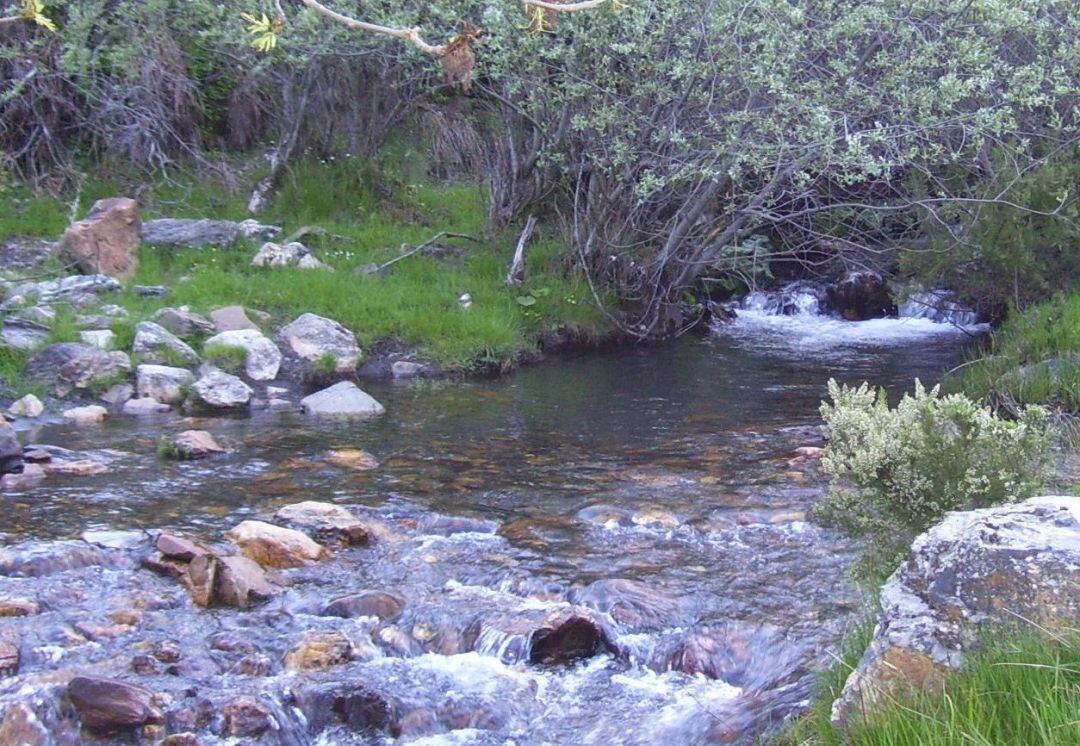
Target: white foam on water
811, 333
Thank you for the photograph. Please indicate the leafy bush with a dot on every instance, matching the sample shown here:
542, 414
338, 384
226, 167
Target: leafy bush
895, 471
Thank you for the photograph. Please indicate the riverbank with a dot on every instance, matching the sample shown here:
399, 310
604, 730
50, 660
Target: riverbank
447, 304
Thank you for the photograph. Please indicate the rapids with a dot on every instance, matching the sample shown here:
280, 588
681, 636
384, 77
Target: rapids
601, 549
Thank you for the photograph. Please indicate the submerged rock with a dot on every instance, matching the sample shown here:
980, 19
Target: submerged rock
632, 604
107, 704
22, 726
9, 659
344, 400
556, 637
246, 717
275, 546
975, 568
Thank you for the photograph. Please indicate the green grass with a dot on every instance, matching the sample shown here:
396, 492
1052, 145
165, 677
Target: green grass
414, 301
1022, 688
1034, 358
229, 358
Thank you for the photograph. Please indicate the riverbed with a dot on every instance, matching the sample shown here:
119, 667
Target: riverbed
660, 494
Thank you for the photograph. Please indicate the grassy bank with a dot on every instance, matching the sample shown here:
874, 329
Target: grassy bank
1022, 689
1034, 358
414, 302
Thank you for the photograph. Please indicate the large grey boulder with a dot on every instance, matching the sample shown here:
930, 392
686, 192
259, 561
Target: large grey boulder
157, 345
193, 233
219, 390
314, 339
263, 357
1011, 565
67, 366
183, 322
343, 399
162, 382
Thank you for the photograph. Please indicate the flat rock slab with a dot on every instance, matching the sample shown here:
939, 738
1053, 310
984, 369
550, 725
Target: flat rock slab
344, 399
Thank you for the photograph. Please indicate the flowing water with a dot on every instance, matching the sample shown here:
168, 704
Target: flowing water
611, 548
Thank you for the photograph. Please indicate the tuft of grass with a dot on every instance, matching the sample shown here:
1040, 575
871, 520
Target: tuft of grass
63, 327
1034, 358
325, 365
229, 358
1021, 687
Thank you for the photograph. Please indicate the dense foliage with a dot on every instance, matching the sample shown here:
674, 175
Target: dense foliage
673, 140
897, 470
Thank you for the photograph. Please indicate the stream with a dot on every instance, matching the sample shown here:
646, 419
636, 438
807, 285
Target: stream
610, 548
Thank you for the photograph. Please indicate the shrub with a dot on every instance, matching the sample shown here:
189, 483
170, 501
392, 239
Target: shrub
896, 471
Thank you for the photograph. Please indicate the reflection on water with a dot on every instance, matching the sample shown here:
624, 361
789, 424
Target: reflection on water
655, 489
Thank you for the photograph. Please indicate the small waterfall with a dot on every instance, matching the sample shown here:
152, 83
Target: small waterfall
939, 305
793, 299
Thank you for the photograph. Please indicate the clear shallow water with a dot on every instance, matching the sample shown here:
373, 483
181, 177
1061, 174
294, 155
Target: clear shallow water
653, 491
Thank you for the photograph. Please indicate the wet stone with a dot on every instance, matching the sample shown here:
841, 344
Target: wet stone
275, 546
9, 659
255, 664
351, 705
110, 704
22, 726
193, 444
18, 607
319, 650
326, 519
181, 739
246, 717
176, 547
385, 606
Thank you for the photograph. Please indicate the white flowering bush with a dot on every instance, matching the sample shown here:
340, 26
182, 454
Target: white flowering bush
896, 471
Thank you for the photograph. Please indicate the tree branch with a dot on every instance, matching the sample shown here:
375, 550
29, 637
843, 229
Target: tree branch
568, 7
410, 35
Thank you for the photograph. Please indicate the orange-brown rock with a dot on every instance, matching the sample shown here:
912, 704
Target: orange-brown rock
275, 546
107, 240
